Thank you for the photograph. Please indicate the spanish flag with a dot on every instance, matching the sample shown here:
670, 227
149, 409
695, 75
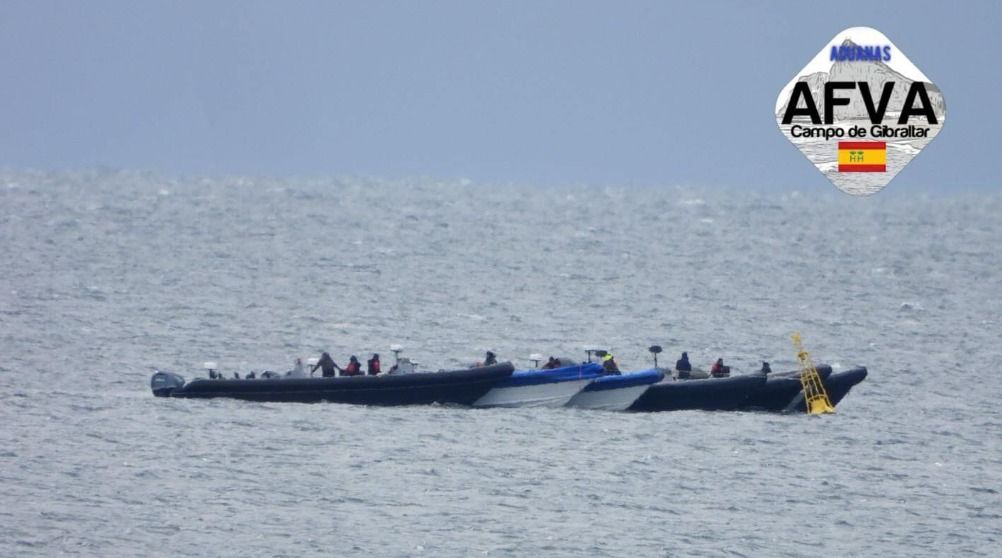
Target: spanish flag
862, 156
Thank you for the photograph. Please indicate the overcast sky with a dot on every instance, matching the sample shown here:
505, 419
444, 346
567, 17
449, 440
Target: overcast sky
528, 92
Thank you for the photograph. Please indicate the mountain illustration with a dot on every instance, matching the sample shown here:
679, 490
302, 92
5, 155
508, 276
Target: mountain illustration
876, 73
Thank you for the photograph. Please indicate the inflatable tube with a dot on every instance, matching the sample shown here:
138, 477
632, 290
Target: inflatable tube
533, 377
615, 392
461, 387
839, 383
713, 394
780, 391
626, 379
541, 388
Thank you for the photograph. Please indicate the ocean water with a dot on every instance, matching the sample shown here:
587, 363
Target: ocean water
105, 275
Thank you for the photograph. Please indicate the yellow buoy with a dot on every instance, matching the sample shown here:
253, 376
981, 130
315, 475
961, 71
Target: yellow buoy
815, 397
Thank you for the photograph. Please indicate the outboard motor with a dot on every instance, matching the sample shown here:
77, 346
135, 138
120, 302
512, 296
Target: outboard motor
163, 384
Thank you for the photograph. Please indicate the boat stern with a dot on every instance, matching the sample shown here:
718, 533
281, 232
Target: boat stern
163, 384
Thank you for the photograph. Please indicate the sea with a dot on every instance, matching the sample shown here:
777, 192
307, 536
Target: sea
106, 275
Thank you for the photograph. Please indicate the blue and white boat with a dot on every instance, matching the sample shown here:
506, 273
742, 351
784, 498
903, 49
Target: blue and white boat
541, 388
616, 392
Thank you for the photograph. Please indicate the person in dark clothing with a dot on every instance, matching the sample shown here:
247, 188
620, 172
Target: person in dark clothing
491, 359
609, 364
683, 367
551, 364
766, 369
327, 365
373, 365
354, 367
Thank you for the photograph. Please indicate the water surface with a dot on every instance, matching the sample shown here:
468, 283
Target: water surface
105, 275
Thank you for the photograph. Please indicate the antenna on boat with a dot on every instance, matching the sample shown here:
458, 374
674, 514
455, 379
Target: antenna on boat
534, 358
211, 367
396, 350
655, 350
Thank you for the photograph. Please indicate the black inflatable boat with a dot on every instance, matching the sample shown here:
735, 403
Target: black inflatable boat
461, 387
838, 384
711, 394
781, 392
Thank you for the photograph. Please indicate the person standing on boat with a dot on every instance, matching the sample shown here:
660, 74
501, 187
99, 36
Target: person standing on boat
327, 365
373, 365
609, 364
490, 359
683, 367
766, 369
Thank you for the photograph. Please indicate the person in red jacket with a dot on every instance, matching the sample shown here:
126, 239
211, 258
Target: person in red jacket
373, 365
718, 370
354, 367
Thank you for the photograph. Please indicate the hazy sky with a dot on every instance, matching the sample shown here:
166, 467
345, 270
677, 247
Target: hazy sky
531, 92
